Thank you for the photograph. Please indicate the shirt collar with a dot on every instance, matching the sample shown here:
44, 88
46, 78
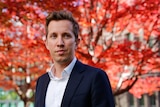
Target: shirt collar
66, 72
69, 68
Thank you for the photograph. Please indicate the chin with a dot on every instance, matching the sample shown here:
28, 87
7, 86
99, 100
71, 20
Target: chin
65, 61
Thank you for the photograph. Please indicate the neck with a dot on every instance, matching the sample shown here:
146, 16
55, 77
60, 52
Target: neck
58, 69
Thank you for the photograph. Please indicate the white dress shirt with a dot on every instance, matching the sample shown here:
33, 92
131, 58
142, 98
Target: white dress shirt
56, 87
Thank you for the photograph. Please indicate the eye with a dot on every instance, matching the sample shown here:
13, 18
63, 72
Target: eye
53, 35
67, 35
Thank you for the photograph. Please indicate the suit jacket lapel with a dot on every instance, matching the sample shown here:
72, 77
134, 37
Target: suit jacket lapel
73, 82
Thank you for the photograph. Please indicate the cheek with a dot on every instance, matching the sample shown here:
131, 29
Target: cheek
74, 46
50, 46
71, 47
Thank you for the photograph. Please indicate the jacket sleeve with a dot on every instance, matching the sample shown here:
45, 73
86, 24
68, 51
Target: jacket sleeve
36, 95
101, 91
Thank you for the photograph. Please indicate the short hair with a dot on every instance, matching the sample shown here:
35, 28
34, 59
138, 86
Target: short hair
63, 15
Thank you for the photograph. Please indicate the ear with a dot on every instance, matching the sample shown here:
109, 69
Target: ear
77, 42
46, 44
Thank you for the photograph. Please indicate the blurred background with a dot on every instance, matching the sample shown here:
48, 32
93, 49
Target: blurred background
122, 37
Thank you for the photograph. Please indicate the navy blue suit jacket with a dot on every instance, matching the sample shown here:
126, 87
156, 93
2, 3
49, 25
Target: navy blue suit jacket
86, 87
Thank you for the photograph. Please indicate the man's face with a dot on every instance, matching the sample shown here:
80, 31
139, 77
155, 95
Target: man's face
61, 41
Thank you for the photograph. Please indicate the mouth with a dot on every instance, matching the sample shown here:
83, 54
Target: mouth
60, 52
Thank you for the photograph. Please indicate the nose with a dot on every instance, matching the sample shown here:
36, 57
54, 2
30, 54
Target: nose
60, 42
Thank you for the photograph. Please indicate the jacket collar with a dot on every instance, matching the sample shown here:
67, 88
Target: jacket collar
73, 83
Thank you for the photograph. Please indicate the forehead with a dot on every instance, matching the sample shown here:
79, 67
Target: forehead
61, 25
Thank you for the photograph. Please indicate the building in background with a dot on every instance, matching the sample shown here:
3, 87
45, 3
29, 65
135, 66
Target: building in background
128, 100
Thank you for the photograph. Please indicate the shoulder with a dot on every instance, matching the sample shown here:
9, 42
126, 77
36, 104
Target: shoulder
86, 66
43, 77
96, 71
88, 69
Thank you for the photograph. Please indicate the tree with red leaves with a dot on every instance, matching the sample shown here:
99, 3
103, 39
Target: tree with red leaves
121, 37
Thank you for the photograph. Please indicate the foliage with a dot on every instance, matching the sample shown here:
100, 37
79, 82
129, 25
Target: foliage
9, 95
123, 38
120, 36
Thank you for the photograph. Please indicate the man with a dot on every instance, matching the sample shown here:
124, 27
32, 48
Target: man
69, 83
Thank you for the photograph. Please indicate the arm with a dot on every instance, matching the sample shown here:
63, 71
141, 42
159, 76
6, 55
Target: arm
36, 95
101, 91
